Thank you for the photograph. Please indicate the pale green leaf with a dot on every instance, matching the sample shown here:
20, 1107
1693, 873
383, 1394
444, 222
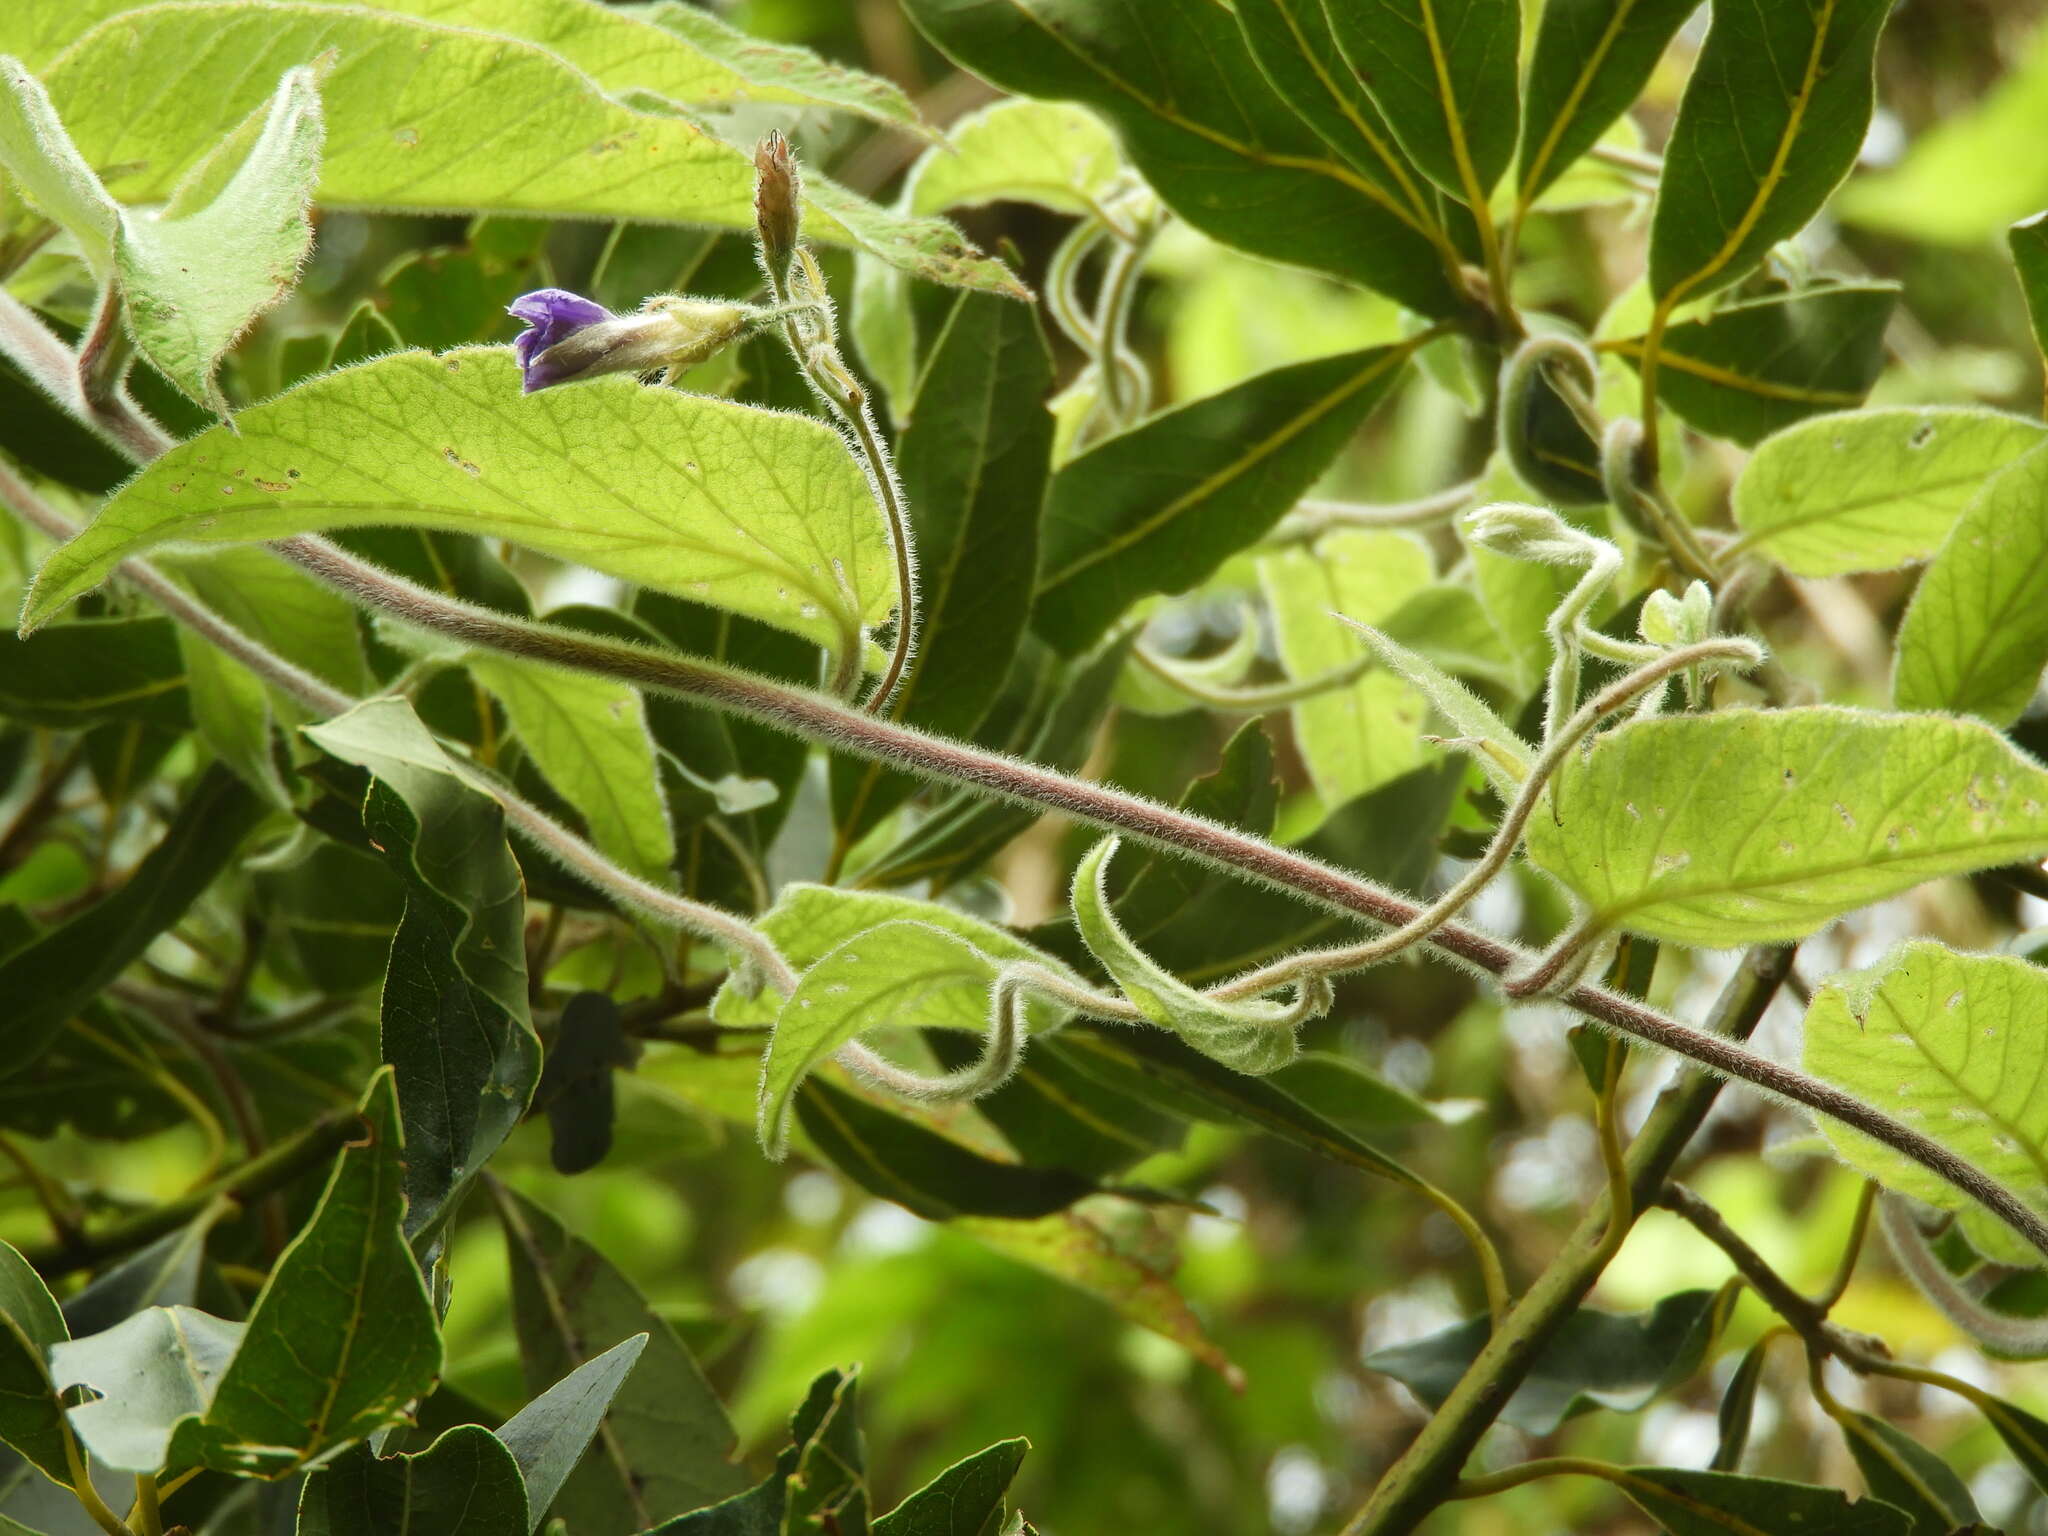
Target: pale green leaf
299, 618
1871, 490
151, 1372
40, 157
1752, 826
1471, 716
1051, 153
741, 508
809, 922
1358, 736
1951, 1045
232, 714
1976, 637
428, 118
1254, 1036
588, 737
769, 71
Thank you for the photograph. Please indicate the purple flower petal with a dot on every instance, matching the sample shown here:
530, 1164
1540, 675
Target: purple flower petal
552, 315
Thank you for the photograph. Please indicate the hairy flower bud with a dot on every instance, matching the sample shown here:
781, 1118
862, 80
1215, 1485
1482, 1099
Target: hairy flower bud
1523, 532
778, 210
570, 338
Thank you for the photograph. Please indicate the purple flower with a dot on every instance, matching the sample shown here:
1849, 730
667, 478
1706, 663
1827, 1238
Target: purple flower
552, 315
568, 337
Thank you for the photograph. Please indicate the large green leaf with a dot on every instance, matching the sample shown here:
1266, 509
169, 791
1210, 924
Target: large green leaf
1619, 1361
1950, 1044
454, 1019
973, 463
1216, 142
1905, 1474
48, 980
464, 1484
1160, 507
819, 1484
428, 118
1771, 120
664, 1443
1591, 60
1751, 368
1688, 1503
1444, 75
964, 1500
748, 509
1356, 737
1752, 826
1871, 490
588, 737
549, 1435
342, 1338
31, 1418
150, 1372
1976, 637
73, 675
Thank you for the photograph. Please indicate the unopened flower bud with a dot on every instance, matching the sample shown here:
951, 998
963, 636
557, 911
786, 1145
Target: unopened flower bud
1523, 532
1674, 621
778, 209
570, 338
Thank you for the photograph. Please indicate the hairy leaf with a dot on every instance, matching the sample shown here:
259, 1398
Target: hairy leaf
743, 508
1050, 153
465, 1484
1219, 144
1976, 637
1590, 61
1158, 508
1871, 490
1771, 120
1752, 827
1945, 1042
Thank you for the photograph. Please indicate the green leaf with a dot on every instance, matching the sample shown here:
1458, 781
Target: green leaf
232, 714
342, 1338
31, 1419
150, 1373
49, 980
464, 1484
1357, 737
72, 675
1618, 1361
973, 462
26, 1301
810, 922
899, 974
665, 1443
1590, 62
2028, 243
1754, 153
933, 1176
194, 279
1738, 1407
1754, 367
1467, 714
2024, 1435
588, 737
454, 1015
1218, 144
549, 1435
1160, 507
769, 71
1946, 1042
819, 1474
164, 1274
1255, 1036
544, 471
1976, 636
964, 1500
1444, 75
1691, 1503
1057, 1116
1905, 1474
1749, 826
44, 162
1871, 490
429, 118
1045, 152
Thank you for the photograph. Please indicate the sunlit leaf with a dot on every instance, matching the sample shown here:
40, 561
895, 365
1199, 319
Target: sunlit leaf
1590, 60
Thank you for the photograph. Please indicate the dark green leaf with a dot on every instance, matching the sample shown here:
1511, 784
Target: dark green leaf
549, 1435
1722, 1504
464, 1484
973, 462
70, 675
1591, 60
929, 1174
1905, 1474
454, 1012
576, 1083
1219, 145
1056, 1116
1347, 1095
30, 1419
1753, 367
2028, 242
336, 911
1444, 74
47, 981
964, 1500
165, 1274
1160, 507
148, 1373
1595, 1360
342, 1337
1771, 120
665, 1442
1738, 1407
2024, 1435
820, 1473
